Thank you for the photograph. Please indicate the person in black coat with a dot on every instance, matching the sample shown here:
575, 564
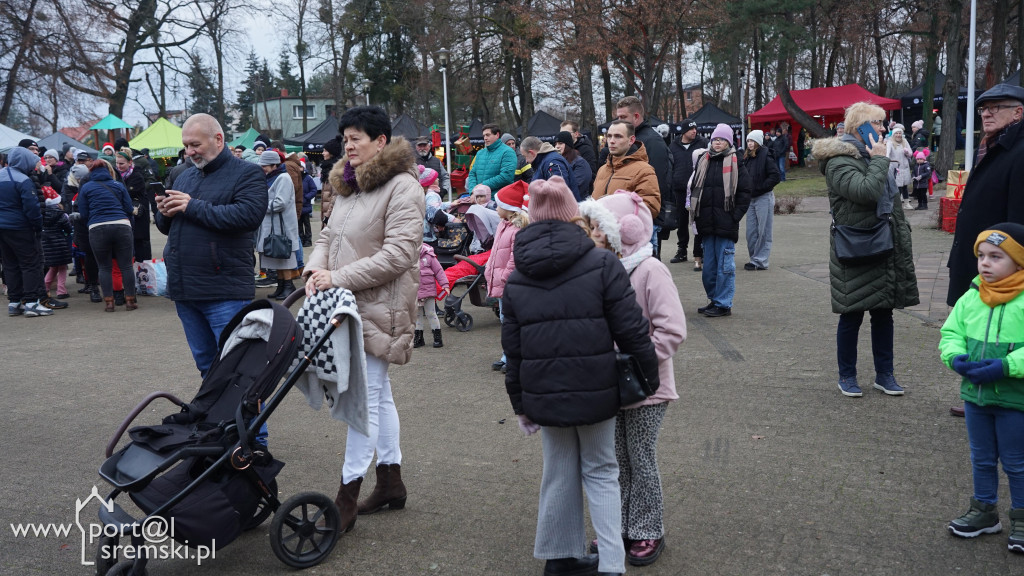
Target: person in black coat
631, 109
582, 144
720, 196
567, 305
682, 167
135, 182
764, 175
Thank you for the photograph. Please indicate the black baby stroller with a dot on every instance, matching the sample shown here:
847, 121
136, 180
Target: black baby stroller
201, 472
472, 285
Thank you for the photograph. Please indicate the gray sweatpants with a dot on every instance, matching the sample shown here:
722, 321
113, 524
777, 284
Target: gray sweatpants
574, 458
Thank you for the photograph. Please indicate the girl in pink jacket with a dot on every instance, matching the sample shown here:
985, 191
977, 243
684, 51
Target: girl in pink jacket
513, 201
637, 426
431, 274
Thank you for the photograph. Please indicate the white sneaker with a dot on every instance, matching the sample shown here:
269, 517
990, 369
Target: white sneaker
37, 309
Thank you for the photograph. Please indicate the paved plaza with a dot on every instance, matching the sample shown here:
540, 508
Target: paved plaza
767, 469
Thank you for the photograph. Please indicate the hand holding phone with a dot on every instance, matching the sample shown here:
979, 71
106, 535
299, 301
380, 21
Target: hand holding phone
868, 134
157, 189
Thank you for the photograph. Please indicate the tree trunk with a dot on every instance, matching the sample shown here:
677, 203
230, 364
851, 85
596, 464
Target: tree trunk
931, 56
588, 121
883, 84
606, 79
951, 90
997, 56
27, 40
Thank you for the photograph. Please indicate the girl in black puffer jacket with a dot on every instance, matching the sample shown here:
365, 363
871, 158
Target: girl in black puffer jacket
567, 305
56, 249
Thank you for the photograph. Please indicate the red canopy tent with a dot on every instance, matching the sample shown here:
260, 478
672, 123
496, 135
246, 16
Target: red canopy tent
829, 103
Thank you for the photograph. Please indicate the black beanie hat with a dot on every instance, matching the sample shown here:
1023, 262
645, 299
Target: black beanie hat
565, 138
333, 146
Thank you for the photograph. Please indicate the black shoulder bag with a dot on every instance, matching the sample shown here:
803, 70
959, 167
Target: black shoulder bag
277, 245
863, 245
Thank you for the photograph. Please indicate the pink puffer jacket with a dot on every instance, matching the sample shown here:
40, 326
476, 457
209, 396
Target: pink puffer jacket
431, 274
501, 262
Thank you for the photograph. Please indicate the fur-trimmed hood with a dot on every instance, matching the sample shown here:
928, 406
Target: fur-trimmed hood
824, 149
603, 217
397, 157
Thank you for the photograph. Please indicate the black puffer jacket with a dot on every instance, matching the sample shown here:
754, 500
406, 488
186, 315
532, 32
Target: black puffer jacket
136, 185
659, 158
566, 306
209, 252
763, 170
586, 150
711, 217
56, 229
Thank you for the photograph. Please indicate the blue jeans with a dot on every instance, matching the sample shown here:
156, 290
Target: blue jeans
996, 435
782, 166
759, 228
719, 274
881, 341
654, 238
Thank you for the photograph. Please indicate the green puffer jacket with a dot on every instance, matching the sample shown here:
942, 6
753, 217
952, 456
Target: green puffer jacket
854, 187
975, 329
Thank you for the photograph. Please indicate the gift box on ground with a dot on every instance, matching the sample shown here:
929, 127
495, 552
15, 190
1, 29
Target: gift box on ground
948, 208
956, 180
949, 225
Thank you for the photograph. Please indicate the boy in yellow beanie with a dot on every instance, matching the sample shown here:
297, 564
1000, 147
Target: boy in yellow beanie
983, 341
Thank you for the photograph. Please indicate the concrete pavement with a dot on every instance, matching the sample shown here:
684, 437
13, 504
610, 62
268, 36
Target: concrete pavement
766, 468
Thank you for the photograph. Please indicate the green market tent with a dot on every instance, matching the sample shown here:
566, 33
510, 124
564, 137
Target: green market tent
162, 138
246, 139
111, 122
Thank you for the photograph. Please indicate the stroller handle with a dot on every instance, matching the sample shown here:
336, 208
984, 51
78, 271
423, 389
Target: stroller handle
299, 292
135, 413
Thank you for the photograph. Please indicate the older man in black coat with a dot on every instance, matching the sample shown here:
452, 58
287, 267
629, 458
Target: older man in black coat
991, 195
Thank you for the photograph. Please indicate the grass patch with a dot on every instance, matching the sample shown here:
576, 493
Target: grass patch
802, 183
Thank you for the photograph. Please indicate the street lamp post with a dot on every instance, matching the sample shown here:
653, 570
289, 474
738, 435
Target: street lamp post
366, 91
743, 109
443, 57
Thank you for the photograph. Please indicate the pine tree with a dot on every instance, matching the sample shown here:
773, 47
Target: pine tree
204, 93
286, 80
258, 85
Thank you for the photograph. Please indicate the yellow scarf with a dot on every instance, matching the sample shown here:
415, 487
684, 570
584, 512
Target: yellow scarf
995, 293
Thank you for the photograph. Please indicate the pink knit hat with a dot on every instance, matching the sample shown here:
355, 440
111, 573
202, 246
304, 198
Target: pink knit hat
427, 176
552, 200
723, 131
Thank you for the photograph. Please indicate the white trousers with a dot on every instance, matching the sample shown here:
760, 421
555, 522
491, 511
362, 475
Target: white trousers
384, 426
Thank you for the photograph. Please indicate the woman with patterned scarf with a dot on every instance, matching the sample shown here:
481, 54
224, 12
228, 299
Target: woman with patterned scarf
720, 196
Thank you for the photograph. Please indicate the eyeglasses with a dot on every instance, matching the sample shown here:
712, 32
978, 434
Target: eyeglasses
993, 108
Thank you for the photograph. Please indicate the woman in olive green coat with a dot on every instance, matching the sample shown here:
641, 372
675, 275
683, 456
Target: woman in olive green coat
861, 191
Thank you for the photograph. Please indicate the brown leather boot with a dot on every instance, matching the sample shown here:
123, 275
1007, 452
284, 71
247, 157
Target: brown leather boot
109, 303
130, 303
348, 495
389, 490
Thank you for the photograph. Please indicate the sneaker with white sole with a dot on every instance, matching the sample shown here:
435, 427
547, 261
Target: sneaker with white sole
15, 309
980, 518
849, 387
887, 383
33, 309
1016, 540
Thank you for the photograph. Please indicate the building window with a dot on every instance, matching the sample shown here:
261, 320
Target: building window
689, 96
297, 112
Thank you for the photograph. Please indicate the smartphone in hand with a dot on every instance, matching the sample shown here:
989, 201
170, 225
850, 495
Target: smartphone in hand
157, 189
865, 130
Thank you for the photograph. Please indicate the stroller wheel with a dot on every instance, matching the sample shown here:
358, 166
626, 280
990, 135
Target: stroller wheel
464, 323
263, 511
105, 558
449, 316
124, 568
305, 529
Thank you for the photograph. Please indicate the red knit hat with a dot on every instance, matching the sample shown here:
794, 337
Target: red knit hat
515, 197
51, 195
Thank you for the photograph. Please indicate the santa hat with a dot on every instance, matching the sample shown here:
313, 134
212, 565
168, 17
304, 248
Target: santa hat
427, 176
515, 197
552, 200
107, 145
51, 195
635, 223
601, 217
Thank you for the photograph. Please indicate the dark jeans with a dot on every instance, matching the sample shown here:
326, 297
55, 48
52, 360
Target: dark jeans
698, 246
881, 341
112, 242
305, 228
683, 233
23, 264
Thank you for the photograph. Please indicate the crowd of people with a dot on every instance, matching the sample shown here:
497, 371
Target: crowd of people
574, 265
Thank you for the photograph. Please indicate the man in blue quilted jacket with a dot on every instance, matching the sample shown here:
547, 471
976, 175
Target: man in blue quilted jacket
210, 219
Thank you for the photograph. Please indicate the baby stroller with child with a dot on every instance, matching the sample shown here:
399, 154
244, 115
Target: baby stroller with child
202, 472
467, 279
